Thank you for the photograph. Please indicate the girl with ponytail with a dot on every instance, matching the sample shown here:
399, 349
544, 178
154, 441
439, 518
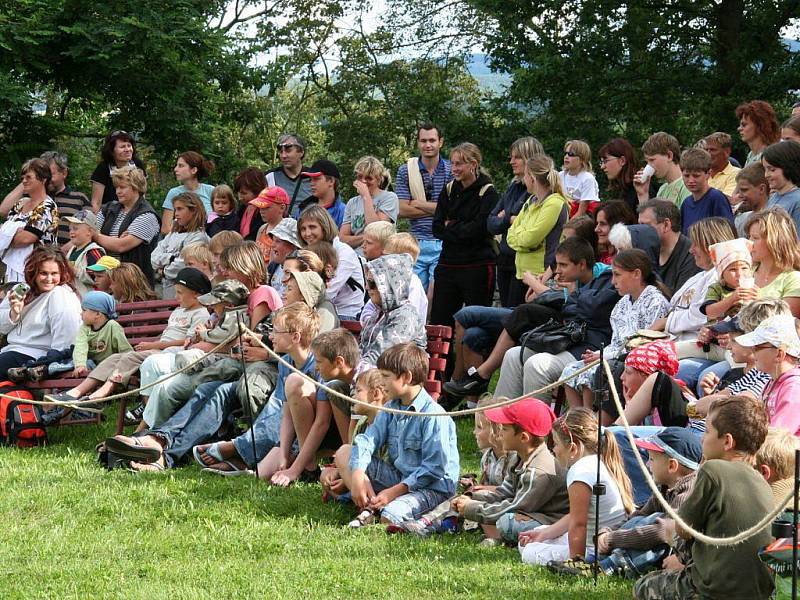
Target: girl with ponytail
644, 300
536, 231
575, 448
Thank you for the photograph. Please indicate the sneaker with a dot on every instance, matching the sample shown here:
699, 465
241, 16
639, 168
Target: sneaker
365, 517
18, 374
52, 417
577, 567
471, 385
448, 525
134, 416
421, 527
37, 373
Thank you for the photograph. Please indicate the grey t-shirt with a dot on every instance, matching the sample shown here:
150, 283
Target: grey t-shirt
279, 178
385, 202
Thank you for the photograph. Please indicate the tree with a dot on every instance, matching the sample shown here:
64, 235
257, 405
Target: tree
600, 68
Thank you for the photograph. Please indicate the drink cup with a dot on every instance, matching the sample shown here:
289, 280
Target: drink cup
747, 282
647, 173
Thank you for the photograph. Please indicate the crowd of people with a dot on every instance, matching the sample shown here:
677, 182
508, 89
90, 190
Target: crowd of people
683, 274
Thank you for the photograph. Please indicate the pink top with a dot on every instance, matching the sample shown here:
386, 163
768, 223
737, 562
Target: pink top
783, 401
262, 294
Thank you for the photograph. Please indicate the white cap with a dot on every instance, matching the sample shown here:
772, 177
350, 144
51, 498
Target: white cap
778, 331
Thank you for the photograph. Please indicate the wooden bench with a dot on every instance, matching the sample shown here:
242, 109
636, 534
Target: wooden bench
142, 322
439, 339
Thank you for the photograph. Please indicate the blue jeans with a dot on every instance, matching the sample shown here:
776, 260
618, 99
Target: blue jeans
641, 491
692, 370
482, 326
266, 431
635, 563
509, 527
429, 251
198, 420
409, 506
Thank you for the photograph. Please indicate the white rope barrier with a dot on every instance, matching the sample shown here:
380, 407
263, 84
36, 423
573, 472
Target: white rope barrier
698, 535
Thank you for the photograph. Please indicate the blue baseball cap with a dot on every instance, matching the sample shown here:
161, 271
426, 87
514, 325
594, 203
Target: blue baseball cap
676, 442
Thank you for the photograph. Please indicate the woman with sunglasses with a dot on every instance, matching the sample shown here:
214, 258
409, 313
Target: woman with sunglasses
119, 150
618, 162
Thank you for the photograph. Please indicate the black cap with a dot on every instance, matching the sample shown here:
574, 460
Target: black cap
323, 167
194, 280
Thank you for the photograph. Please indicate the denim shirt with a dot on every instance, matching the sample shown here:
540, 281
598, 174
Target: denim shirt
423, 449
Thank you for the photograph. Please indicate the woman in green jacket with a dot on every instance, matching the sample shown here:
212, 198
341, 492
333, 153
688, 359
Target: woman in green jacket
536, 231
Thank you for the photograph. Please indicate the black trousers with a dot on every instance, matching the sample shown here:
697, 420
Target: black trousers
455, 287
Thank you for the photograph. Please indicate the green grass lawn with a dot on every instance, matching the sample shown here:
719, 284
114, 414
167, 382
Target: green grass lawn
73, 530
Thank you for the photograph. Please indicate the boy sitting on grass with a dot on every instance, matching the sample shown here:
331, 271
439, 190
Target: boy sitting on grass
495, 465
421, 469
534, 493
728, 497
336, 354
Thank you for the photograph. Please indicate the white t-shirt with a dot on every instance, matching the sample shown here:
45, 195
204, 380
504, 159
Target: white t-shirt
580, 187
612, 511
385, 202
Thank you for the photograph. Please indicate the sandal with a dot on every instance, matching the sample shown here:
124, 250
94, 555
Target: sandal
232, 470
133, 448
211, 450
153, 467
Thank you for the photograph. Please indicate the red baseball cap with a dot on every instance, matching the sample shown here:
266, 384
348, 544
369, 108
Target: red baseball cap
271, 195
533, 416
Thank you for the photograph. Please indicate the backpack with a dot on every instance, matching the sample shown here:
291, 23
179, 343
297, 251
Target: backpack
20, 422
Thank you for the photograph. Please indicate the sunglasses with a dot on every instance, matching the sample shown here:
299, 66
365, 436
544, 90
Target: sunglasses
570, 153
287, 147
117, 132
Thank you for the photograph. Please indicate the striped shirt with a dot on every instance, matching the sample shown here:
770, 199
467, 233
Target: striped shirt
422, 228
145, 227
69, 202
754, 382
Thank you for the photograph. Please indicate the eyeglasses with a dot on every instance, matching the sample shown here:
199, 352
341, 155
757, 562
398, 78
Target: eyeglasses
763, 347
286, 147
279, 331
570, 153
606, 159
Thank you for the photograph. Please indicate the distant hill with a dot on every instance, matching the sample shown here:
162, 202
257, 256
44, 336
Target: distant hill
478, 67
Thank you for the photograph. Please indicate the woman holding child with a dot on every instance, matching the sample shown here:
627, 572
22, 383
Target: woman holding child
47, 317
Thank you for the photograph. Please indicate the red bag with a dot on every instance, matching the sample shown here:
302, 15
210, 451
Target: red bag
20, 421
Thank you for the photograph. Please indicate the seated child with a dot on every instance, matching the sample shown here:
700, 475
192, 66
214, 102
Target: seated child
227, 300
83, 252
572, 536
371, 389
100, 273
375, 237
534, 493
776, 344
127, 283
294, 327
396, 320
421, 467
728, 496
218, 243
199, 257
224, 216
495, 465
725, 298
402, 243
636, 547
775, 462
336, 354
119, 368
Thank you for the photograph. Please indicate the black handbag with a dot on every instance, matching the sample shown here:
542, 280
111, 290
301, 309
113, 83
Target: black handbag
551, 299
553, 337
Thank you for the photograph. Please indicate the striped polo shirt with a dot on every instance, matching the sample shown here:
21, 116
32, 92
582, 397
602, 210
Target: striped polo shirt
422, 228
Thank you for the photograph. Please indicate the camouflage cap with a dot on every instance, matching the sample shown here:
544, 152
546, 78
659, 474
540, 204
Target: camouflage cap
230, 290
